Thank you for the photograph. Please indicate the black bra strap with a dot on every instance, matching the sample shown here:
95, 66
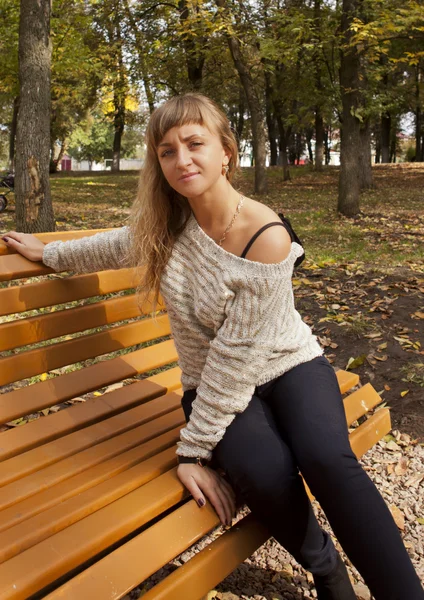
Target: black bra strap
246, 250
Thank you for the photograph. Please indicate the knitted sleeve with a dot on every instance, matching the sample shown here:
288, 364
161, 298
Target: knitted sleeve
102, 251
236, 358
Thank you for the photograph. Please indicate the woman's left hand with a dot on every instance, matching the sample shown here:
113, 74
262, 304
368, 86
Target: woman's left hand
204, 481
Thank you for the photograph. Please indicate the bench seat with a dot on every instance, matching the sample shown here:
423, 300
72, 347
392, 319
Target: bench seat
90, 503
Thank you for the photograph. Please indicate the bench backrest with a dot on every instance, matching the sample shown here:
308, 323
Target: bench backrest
53, 325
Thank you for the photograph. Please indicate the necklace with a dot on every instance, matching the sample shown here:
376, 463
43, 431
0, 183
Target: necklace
239, 205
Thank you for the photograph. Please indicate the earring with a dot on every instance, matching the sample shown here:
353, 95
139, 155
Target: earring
225, 169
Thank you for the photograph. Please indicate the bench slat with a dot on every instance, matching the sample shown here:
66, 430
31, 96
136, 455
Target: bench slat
41, 395
46, 499
91, 497
371, 431
23, 332
26, 573
92, 436
360, 402
34, 362
201, 573
78, 463
53, 236
15, 266
43, 430
31, 296
346, 380
188, 524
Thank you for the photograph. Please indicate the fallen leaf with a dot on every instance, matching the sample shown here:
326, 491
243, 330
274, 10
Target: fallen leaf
382, 358
353, 363
415, 480
397, 516
404, 393
402, 467
16, 422
43, 376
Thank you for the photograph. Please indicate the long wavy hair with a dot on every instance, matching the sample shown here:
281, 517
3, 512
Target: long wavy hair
159, 213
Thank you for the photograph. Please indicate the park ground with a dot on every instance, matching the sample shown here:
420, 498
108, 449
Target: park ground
361, 287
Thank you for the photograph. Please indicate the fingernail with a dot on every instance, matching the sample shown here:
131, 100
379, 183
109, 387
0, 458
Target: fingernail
5, 239
201, 502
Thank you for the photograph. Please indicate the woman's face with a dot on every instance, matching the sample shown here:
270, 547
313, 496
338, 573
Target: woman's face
191, 158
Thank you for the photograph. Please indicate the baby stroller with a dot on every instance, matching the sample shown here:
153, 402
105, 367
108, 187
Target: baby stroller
8, 182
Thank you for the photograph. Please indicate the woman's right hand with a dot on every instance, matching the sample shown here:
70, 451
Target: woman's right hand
26, 244
203, 481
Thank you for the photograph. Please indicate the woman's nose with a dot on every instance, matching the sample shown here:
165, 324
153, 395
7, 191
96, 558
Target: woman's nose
183, 158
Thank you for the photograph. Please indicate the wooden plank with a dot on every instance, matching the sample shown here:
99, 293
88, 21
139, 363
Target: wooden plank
187, 524
43, 430
370, 432
360, 402
45, 562
346, 380
53, 496
42, 360
63, 289
93, 435
78, 463
15, 266
41, 395
31, 330
201, 573
91, 497
55, 236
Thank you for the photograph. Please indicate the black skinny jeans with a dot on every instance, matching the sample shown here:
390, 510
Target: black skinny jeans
297, 422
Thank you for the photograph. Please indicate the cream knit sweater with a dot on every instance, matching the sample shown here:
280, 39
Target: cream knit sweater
233, 320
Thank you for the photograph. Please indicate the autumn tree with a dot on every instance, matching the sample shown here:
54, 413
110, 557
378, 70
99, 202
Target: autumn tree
34, 211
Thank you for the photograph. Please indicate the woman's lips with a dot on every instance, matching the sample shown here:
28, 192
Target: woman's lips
188, 176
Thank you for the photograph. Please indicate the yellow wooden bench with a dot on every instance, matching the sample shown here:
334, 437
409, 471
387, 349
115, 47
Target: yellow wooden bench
90, 504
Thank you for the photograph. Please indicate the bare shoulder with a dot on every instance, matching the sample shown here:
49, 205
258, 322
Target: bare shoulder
274, 244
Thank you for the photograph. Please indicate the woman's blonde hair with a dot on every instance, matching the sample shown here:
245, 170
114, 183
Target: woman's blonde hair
159, 213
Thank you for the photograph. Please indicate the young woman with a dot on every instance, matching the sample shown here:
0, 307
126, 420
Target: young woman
260, 398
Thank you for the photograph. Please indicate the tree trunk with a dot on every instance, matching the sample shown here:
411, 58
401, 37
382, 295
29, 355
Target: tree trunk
256, 115
270, 120
386, 125
319, 122
240, 120
319, 139
327, 153
119, 124
12, 136
309, 133
365, 157
350, 145
282, 147
393, 150
142, 62
194, 47
34, 211
119, 95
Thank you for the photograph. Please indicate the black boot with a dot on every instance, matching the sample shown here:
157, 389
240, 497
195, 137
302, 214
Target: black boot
336, 585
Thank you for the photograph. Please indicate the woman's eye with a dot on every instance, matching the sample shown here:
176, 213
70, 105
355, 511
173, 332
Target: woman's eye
166, 153
196, 144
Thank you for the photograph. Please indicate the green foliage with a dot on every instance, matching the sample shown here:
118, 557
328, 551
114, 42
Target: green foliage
92, 139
